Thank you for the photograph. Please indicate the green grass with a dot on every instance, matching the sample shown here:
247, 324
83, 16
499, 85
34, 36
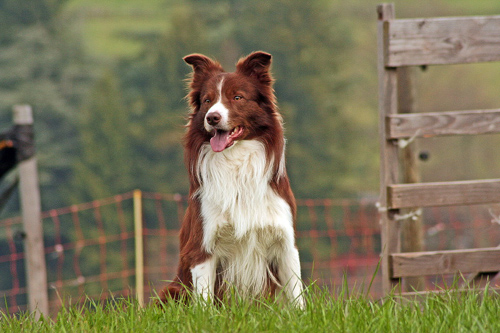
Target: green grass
108, 26
113, 28
449, 311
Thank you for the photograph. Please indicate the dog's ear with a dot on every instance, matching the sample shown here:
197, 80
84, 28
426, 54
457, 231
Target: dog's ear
203, 68
202, 65
256, 65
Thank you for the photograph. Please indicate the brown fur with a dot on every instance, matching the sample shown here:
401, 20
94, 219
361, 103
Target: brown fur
258, 114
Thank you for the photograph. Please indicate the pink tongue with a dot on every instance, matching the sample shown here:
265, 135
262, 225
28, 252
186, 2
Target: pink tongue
219, 141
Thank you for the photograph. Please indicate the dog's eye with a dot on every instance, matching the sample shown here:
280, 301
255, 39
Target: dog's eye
237, 97
207, 100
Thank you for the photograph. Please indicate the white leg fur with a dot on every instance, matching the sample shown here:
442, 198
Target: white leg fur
289, 275
204, 278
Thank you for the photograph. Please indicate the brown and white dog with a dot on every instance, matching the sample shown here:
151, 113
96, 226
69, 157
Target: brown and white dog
239, 225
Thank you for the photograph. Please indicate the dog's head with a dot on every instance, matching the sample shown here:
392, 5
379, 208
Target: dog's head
227, 107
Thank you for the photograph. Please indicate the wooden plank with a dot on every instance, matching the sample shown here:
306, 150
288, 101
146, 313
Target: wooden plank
443, 193
437, 41
389, 170
432, 124
423, 296
479, 278
445, 262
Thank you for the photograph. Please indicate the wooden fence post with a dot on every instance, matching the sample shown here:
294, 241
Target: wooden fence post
389, 169
36, 270
411, 227
139, 248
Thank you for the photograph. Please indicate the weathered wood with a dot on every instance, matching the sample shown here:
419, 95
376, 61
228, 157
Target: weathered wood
423, 296
403, 43
389, 171
445, 262
412, 233
36, 271
444, 193
479, 278
438, 41
443, 123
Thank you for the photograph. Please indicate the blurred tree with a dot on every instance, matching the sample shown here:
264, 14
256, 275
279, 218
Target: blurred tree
154, 92
307, 40
15, 14
43, 64
107, 160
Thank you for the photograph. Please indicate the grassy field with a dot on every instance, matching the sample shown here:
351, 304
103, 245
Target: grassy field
446, 312
113, 28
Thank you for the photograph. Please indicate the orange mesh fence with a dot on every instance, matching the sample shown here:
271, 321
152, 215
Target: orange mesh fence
90, 247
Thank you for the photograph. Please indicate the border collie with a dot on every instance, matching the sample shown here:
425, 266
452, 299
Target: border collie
238, 231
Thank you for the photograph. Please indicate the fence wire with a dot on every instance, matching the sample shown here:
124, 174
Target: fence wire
89, 247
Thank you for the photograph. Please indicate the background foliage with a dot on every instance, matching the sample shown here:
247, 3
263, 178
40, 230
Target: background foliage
105, 79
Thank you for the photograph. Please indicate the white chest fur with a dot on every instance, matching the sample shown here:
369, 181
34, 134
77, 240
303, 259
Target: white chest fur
246, 224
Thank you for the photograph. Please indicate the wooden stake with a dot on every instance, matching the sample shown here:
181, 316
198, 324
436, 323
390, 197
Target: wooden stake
139, 248
36, 271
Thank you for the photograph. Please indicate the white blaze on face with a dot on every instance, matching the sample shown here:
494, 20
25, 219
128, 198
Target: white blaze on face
221, 109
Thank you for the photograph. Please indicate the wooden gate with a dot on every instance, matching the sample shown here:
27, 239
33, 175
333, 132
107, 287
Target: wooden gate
422, 42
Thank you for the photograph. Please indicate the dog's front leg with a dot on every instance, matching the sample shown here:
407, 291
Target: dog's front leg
289, 275
203, 275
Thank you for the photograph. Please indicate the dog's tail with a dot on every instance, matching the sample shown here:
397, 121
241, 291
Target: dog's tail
175, 290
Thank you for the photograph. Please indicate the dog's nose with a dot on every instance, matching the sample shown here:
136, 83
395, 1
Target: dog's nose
213, 118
